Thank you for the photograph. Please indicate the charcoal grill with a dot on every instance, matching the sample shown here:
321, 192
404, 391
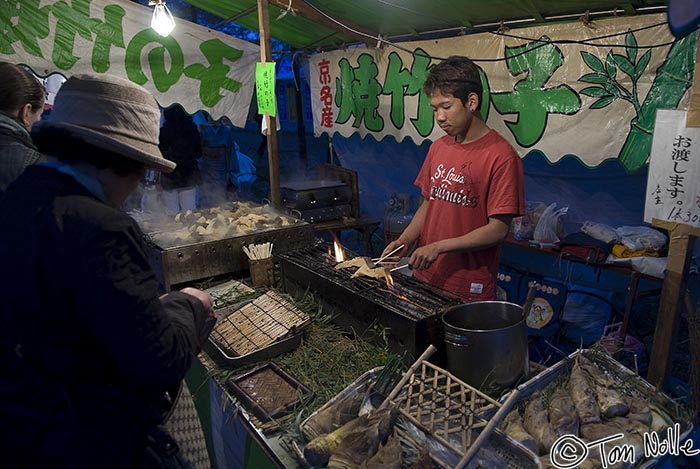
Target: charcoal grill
410, 310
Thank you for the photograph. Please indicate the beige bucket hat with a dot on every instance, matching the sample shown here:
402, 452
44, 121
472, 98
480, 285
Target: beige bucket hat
111, 113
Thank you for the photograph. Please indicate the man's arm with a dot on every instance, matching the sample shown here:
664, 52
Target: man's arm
491, 234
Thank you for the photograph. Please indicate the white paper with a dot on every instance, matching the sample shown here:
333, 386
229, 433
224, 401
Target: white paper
673, 185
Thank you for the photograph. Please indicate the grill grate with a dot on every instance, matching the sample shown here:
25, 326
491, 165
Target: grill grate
408, 311
408, 296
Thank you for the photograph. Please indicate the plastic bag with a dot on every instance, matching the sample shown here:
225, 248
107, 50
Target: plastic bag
641, 237
546, 229
601, 232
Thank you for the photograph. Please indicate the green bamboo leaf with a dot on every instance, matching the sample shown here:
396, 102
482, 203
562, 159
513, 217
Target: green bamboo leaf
594, 78
594, 92
610, 67
611, 89
642, 64
593, 62
624, 63
602, 102
631, 43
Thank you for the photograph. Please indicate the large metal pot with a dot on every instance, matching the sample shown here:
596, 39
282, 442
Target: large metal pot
487, 344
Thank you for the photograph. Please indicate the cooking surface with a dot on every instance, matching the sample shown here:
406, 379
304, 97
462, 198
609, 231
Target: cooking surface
228, 220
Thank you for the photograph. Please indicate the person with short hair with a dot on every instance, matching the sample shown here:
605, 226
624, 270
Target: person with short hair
22, 99
91, 355
472, 184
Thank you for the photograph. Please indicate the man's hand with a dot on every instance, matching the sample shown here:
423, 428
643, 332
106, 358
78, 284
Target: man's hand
394, 245
201, 296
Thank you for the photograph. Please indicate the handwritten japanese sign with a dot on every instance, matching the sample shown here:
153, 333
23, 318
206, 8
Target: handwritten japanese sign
543, 91
194, 66
673, 186
265, 87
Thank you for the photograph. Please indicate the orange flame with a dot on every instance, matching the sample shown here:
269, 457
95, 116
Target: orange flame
338, 250
389, 279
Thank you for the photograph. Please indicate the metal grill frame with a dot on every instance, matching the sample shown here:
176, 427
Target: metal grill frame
354, 309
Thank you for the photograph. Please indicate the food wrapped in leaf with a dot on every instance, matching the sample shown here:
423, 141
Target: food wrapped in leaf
536, 422
562, 413
513, 426
610, 400
583, 395
354, 442
387, 457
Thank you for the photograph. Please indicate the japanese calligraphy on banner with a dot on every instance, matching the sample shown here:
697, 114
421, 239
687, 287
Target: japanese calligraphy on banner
595, 100
194, 66
673, 186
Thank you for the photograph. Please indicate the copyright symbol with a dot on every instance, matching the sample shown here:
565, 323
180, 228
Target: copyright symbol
568, 451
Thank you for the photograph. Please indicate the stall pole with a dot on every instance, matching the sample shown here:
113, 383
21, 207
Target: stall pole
272, 146
680, 248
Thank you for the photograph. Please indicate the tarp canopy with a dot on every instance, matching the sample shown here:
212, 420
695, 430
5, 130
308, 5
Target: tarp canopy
324, 24
196, 67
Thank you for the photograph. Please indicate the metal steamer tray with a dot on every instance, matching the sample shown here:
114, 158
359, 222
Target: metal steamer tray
207, 256
627, 383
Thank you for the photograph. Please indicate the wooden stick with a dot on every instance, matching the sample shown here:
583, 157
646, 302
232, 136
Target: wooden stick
398, 268
389, 254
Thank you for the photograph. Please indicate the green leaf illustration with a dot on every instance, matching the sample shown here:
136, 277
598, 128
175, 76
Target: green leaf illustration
625, 65
643, 62
593, 62
610, 66
631, 43
594, 92
594, 78
602, 102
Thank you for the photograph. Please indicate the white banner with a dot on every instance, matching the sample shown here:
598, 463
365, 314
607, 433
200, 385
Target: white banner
194, 66
560, 89
673, 187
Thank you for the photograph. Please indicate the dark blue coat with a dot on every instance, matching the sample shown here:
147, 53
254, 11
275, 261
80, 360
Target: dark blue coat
87, 349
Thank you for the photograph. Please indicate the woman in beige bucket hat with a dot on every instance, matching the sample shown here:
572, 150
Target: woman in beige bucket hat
89, 351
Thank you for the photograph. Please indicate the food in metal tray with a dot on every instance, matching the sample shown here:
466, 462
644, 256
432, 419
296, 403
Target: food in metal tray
537, 423
228, 220
514, 427
354, 442
583, 394
562, 413
389, 456
596, 387
609, 400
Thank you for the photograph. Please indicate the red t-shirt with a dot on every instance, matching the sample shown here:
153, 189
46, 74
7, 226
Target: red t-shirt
465, 184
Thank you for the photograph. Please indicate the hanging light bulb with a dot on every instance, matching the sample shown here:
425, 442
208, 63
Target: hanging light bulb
162, 21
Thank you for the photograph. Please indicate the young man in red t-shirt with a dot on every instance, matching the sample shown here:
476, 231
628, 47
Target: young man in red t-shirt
472, 183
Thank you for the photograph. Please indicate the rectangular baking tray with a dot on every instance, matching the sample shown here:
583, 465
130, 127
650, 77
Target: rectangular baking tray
269, 391
287, 321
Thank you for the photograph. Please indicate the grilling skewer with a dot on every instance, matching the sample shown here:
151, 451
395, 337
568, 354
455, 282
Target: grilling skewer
398, 268
389, 254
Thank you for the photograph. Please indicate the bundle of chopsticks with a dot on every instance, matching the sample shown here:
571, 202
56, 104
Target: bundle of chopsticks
258, 251
389, 259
